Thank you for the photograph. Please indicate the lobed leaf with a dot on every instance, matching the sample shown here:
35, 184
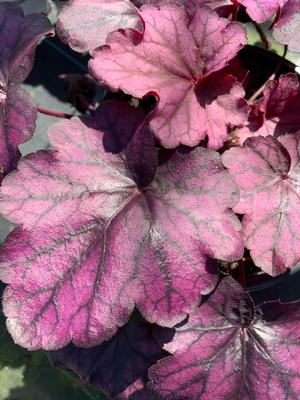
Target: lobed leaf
286, 31
84, 25
93, 243
266, 171
180, 60
19, 36
230, 349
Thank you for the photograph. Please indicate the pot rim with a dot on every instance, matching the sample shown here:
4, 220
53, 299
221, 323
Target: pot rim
275, 281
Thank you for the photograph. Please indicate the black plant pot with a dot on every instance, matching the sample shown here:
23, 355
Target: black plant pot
284, 287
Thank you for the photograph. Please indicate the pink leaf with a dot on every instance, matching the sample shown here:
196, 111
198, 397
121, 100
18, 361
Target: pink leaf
286, 31
84, 25
277, 112
262, 10
93, 243
267, 173
179, 59
19, 36
230, 349
189, 4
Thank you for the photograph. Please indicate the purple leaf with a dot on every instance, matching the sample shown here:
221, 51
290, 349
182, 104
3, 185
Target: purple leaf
19, 36
286, 31
277, 112
92, 244
131, 133
142, 157
231, 350
118, 366
17, 123
119, 123
267, 173
84, 25
180, 59
262, 10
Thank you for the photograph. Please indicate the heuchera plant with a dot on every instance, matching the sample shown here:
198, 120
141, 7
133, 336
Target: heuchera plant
137, 232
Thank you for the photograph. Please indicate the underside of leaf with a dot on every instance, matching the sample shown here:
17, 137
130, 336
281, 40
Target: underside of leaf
85, 25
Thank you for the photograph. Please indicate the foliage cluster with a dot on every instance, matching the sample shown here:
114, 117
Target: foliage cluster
156, 206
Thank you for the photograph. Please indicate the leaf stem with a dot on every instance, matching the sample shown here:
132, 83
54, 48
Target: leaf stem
271, 77
229, 270
262, 35
86, 105
235, 10
52, 113
242, 275
276, 19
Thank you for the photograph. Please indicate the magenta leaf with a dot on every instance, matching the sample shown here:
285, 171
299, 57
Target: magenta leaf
267, 173
183, 66
277, 112
231, 350
286, 31
19, 36
118, 366
262, 10
93, 244
85, 24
